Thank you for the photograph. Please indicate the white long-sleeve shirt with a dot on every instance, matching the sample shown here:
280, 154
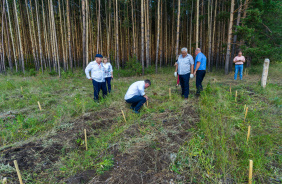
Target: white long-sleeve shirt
136, 89
97, 71
108, 69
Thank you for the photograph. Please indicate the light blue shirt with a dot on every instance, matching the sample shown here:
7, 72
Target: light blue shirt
97, 71
136, 89
201, 58
184, 64
108, 70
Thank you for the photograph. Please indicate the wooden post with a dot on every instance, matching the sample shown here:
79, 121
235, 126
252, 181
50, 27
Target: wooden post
249, 132
251, 172
85, 136
39, 106
123, 115
264, 72
5, 180
246, 114
18, 172
170, 93
236, 96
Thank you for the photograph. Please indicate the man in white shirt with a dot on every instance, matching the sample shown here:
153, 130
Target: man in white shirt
97, 70
135, 94
184, 68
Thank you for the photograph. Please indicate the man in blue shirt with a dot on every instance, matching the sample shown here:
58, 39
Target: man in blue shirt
184, 66
97, 76
200, 69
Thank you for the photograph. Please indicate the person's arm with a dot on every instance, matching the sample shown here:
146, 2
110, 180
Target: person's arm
112, 71
198, 64
192, 64
87, 70
235, 60
244, 60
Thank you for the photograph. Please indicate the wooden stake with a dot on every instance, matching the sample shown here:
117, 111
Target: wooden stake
147, 103
265, 72
246, 114
18, 172
249, 132
85, 136
251, 172
123, 115
230, 89
113, 86
236, 96
39, 106
5, 180
170, 93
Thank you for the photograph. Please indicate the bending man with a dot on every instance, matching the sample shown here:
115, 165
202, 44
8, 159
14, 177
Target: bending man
135, 94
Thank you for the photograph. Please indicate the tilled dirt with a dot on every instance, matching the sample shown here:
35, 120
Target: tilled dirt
151, 163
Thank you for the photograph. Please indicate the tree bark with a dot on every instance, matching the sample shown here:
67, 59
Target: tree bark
177, 32
229, 38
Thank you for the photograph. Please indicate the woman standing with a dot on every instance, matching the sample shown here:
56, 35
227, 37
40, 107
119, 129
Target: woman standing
108, 73
239, 61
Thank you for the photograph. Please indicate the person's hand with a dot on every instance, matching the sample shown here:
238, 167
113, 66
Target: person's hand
194, 73
112, 77
191, 76
175, 74
90, 79
146, 97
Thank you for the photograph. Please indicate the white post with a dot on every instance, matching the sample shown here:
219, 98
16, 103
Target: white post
264, 72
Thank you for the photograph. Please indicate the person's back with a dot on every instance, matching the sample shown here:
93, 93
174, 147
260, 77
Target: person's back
135, 89
135, 95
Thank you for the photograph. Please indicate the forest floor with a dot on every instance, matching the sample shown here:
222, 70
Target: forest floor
202, 140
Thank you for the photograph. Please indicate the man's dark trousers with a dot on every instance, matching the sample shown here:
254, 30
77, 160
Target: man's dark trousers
136, 102
97, 87
108, 81
200, 74
184, 82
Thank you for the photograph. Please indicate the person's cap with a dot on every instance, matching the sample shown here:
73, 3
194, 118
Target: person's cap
99, 56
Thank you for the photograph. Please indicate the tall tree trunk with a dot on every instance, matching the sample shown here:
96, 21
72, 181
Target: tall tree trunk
235, 36
177, 32
197, 25
229, 38
133, 28
213, 36
210, 32
191, 26
62, 37
117, 41
98, 25
172, 35
148, 35
39, 37
142, 35
158, 36
8, 43
69, 35
19, 38
84, 33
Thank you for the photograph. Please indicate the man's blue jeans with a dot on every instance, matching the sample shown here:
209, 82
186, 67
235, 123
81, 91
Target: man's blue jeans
108, 81
184, 82
240, 69
97, 87
200, 74
136, 102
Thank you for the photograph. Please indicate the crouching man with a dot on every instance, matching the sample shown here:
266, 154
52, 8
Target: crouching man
135, 95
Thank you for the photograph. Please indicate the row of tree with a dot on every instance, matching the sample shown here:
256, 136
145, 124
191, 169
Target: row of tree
54, 34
